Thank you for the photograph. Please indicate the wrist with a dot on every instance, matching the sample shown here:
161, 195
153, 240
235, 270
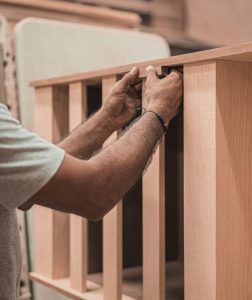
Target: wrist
155, 124
161, 112
160, 119
106, 121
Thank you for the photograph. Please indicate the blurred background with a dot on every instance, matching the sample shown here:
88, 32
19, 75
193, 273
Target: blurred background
44, 38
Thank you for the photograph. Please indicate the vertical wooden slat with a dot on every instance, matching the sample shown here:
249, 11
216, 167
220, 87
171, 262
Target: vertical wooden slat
154, 225
112, 233
51, 227
78, 225
200, 181
218, 184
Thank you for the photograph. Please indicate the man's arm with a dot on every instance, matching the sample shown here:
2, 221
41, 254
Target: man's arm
118, 110
88, 137
91, 188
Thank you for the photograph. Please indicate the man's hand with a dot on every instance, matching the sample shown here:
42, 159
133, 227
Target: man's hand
121, 103
164, 96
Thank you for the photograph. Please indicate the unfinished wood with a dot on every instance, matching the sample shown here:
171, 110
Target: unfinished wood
240, 52
234, 180
78, 225
112, 232
218, 190
154, 225
200, 181
63, 10
51, 227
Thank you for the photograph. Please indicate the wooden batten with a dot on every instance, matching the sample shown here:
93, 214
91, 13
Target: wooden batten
51, 227
78, 225
240, 52
112, 231
154, 224
199, 180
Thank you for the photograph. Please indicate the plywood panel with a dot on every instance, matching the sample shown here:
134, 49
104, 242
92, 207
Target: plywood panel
51, 227
78, 225
154, 226
112, 232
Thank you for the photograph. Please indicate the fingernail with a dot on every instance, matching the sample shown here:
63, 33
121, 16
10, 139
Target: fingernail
150, 67
133, 70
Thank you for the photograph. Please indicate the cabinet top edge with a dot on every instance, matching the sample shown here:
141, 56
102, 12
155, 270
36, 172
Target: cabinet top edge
239, 52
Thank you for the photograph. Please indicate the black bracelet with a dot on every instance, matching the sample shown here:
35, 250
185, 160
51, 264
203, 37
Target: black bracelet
160, 119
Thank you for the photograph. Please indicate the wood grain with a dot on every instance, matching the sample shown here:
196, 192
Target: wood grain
200, 181
218, 187
51, 227
78, 225
240, 52
234, 180
154, 225
112, 232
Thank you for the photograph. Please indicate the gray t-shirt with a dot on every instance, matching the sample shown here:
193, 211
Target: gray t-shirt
27, 163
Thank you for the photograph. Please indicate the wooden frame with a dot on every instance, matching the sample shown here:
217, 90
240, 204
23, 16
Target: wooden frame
217, 184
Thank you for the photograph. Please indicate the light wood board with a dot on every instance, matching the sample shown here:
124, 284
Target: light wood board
240, 52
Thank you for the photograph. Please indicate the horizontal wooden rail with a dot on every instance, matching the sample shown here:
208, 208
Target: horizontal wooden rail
217, 185
241, 52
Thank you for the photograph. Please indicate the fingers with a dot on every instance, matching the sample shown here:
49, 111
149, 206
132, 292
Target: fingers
129, 78
175, 75
151, 75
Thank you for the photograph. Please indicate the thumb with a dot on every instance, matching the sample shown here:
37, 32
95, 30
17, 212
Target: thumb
129, 78
151, 74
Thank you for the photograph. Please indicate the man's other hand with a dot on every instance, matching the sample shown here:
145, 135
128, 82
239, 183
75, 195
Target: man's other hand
123, 99
164, 96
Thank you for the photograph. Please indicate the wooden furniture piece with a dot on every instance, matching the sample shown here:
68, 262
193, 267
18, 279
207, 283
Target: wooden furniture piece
217, 185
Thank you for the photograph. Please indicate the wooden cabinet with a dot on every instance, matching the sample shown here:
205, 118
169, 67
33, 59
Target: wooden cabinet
217, 118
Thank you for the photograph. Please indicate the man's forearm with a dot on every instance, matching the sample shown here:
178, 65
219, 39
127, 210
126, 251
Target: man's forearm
89, 137
121, 164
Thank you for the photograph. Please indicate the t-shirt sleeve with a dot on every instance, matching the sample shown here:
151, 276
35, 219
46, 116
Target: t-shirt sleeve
27, 162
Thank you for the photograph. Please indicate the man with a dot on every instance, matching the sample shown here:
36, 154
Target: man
67, 177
